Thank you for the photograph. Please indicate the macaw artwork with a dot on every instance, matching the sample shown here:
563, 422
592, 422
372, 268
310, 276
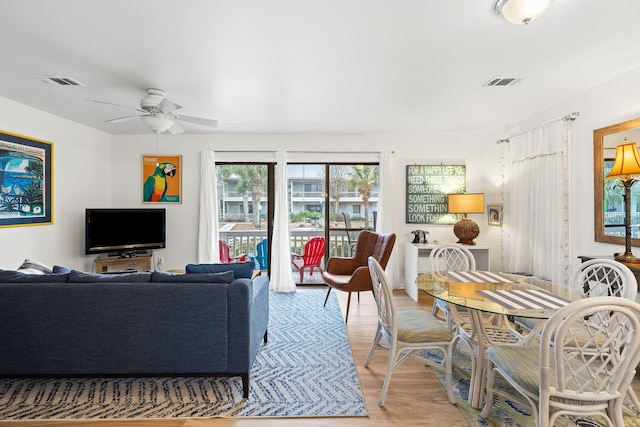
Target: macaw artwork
161, 179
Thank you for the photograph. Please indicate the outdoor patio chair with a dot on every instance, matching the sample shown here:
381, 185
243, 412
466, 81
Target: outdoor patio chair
225, 257
311, 258
352, 236
261, 257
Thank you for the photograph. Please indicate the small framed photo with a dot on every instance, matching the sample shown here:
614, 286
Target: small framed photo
494, 215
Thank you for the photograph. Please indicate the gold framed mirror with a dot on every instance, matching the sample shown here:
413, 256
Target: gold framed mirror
608, 203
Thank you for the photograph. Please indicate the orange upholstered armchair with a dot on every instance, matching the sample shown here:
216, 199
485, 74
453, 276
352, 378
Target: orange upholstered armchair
352, 274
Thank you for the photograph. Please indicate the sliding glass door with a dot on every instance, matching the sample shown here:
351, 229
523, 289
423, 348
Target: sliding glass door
333, 202
245, 212
329, 204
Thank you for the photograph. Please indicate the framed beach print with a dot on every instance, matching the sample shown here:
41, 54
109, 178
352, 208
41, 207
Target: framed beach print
26, 181
161, 178
494, 214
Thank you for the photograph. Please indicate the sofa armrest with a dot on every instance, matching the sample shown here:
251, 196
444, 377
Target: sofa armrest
248, 307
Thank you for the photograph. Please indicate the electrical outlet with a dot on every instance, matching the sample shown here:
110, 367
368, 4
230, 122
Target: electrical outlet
160, 261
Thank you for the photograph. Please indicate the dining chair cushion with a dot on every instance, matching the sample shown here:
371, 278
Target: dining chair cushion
419, 326
521, 364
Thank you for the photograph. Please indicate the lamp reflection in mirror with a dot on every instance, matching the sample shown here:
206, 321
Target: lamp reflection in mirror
468, 203
521, 11
626, 169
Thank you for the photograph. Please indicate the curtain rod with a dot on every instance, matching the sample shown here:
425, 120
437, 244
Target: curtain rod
571, 117
297, 151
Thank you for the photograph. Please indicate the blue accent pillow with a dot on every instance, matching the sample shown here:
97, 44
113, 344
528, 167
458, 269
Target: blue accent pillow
165, 277
241, 270
82, 277
10, 276
60, 269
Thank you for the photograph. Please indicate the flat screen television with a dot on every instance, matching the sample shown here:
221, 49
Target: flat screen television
124, 231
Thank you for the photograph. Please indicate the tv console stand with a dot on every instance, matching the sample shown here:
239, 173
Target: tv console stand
137, 262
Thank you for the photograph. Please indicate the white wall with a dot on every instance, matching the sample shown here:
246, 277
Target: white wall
82, 177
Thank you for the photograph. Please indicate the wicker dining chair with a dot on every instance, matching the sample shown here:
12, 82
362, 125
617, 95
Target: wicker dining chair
450, 258
408, 333
594, 278
569, 376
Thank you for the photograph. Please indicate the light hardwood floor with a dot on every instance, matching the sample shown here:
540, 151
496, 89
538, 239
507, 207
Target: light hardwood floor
415, 397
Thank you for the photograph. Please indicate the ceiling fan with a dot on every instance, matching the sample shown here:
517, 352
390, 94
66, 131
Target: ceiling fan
158, 113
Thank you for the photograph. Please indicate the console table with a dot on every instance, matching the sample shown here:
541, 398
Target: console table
416, 260
139, 263
635, 268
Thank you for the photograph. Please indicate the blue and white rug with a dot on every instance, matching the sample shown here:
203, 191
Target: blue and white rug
306, 369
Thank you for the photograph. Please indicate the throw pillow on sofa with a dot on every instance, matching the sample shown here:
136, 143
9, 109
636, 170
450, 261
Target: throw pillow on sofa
30, 266
61, 269
165, 277
241, 270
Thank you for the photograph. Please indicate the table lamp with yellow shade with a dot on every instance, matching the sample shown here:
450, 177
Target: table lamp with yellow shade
467, 203
626, 169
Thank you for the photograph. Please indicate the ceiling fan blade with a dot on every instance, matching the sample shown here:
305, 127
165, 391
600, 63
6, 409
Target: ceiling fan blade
116, 105
167, 106
197, 120
123, 119
175, 129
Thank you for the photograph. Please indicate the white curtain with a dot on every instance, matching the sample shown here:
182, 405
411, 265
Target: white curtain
536, 201
208, 219
385, 212
281, 279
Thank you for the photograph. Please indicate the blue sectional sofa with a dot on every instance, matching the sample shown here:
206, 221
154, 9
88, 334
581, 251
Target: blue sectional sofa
133, 324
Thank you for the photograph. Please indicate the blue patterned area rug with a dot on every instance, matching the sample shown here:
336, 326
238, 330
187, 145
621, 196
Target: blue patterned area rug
305, 370
507, 412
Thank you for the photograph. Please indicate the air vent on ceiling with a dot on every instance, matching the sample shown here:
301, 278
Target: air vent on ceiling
503, 81
60, 80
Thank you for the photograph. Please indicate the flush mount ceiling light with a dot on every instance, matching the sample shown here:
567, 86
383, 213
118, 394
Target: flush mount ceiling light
521, 11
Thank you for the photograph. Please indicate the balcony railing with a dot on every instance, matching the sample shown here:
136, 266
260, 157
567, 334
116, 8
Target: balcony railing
245, 241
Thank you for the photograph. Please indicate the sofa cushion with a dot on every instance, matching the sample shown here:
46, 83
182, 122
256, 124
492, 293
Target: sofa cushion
34, 267
241, 270
82, 277
10, 276
166, 277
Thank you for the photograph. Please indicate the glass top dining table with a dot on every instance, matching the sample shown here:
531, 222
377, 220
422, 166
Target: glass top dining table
473, 294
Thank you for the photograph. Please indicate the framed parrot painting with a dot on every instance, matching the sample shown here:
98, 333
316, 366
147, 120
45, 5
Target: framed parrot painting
161, 178
26, 181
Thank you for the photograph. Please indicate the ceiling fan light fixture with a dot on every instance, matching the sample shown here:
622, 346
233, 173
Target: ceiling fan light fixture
157, 124
153, 98
521, 11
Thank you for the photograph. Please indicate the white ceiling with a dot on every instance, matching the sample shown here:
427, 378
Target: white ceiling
311, 66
